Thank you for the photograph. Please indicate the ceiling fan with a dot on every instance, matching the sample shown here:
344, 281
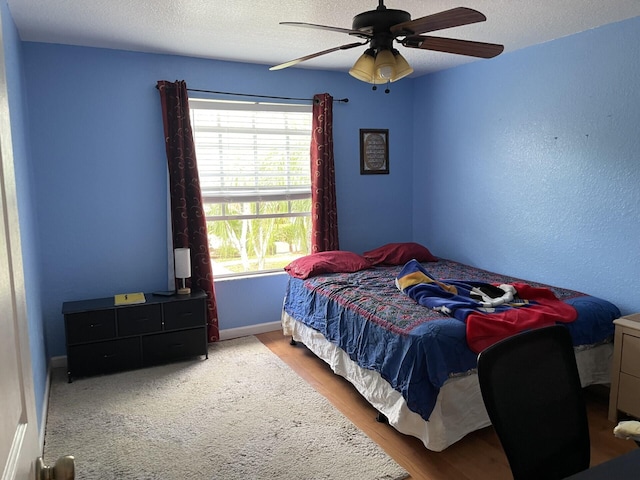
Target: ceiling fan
381, 62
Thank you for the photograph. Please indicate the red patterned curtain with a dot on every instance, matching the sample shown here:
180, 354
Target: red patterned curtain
187, 214
324, 210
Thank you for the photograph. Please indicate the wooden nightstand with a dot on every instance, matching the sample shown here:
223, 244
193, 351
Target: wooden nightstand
625, 370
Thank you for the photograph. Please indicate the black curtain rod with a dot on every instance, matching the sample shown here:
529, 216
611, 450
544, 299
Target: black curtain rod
342, 100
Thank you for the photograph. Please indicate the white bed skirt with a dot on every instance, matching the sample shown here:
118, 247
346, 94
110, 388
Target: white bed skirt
459, 409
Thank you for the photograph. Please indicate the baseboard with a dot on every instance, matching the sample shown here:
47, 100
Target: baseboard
227, 334
58, 362
45, 407
230, 333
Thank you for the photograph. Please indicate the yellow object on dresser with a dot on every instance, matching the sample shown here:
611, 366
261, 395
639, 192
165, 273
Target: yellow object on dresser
129, 298
625, 370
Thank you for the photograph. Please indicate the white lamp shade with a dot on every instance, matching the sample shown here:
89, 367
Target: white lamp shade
182, 258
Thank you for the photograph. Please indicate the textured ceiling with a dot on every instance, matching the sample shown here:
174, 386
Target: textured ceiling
248, 30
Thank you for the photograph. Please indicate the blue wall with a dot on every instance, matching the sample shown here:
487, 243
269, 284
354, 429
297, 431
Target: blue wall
100, 171
529, 163
28, 229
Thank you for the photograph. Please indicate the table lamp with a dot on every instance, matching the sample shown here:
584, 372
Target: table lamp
182, 259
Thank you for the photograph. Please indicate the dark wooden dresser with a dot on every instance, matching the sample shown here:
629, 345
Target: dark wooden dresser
104, 338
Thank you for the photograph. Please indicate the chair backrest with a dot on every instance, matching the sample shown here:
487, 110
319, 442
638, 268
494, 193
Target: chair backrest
532, 392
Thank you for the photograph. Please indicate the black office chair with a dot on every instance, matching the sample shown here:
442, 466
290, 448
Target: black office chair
532, 392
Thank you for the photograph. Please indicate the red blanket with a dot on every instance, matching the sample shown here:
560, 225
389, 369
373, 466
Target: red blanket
485, 329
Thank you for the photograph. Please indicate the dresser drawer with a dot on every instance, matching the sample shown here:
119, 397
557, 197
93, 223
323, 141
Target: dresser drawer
104, 357
629, 395
139, 319
90, 326
630, 355
173, 345
184, 314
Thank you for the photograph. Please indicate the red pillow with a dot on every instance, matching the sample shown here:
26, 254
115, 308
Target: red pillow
333, 261
399, 254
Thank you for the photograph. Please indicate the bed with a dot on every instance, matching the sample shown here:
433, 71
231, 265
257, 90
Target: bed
412, 355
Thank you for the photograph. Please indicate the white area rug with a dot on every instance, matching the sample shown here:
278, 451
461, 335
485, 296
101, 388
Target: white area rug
241, 414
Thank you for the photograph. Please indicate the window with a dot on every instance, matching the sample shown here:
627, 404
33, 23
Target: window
253, 161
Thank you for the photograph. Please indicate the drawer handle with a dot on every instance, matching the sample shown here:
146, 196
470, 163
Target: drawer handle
95, 325
110, 355
186, 314
176, 345
141, 319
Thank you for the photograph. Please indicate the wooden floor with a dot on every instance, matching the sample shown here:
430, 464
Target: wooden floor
478, 456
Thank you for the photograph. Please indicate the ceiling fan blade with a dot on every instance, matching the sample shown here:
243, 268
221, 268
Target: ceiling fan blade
438, 21
326, 27
317, 54
452, 45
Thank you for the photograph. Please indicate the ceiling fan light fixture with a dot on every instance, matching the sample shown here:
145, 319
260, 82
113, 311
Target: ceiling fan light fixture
385, 64
402, 67
364, 68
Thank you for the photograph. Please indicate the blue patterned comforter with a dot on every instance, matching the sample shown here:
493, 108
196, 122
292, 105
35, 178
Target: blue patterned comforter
414, 348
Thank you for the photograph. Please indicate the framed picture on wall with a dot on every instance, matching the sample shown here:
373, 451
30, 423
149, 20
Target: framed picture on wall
374, 151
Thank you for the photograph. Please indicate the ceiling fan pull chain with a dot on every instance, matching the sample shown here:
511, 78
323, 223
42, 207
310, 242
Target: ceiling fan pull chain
386, 90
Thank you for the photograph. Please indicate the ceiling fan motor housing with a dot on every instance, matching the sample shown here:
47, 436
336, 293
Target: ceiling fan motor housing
377, 21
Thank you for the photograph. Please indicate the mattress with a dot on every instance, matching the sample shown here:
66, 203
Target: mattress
419, 355
414, 348
459, 408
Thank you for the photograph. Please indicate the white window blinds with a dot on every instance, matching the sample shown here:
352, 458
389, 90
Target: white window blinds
252, 152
